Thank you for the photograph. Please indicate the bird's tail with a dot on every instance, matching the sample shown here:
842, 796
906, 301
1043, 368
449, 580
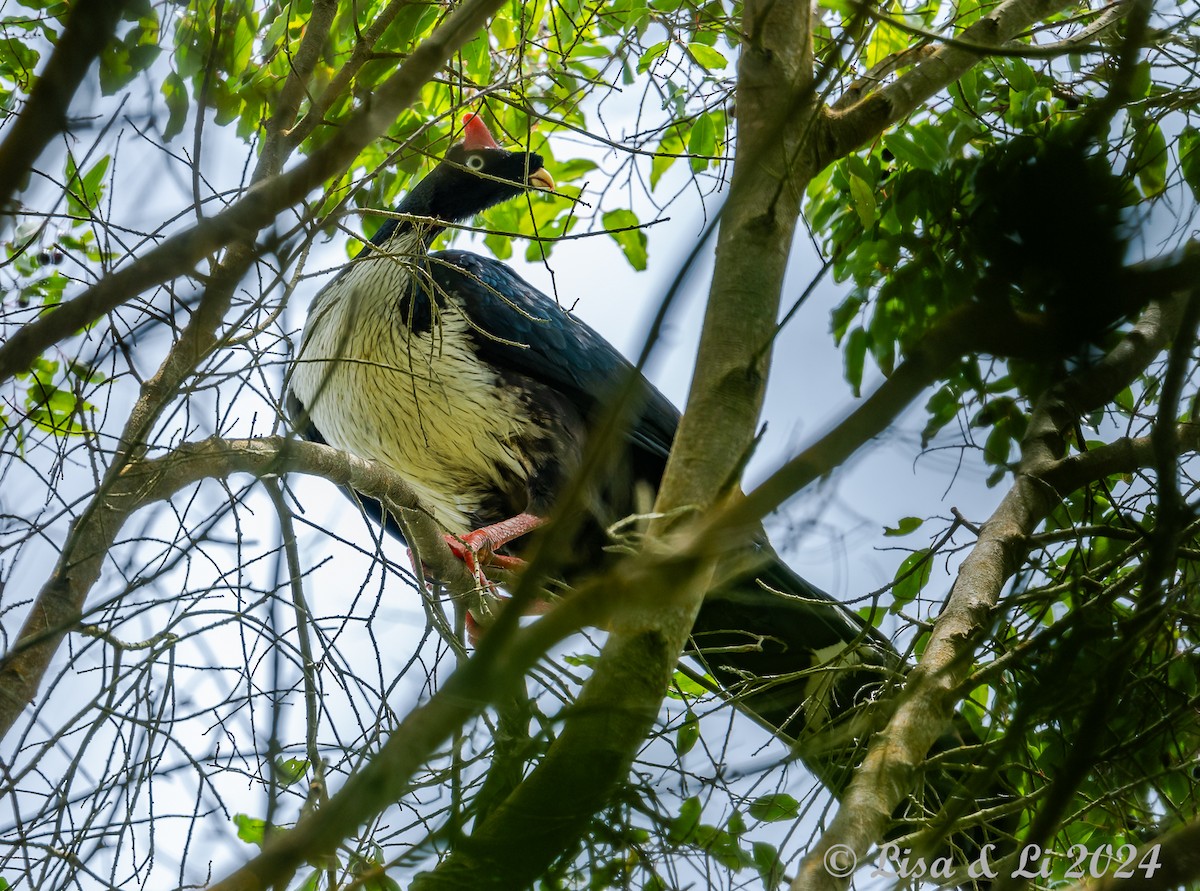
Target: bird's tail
806, 666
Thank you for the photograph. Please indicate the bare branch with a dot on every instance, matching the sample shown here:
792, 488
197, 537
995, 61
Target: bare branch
1124, 455
59, 605
258, 207
279, 142
88, 29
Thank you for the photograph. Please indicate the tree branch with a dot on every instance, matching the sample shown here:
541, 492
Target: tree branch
59, 605
648, 630
499, 661
279, 144
1076, 43
61, 600
1124, 455
991, 329
259, 206
362, 53
1178, 859
88, 30
929, 698
845, 131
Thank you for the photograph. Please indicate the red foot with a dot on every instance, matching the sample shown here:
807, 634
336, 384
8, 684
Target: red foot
478, 548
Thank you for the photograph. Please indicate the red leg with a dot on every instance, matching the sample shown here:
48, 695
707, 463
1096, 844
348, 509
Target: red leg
478, 547
499, 534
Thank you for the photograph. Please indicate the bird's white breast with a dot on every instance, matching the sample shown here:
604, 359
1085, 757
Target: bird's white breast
422, 404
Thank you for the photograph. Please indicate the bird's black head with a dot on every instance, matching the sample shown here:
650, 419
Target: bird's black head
475, 174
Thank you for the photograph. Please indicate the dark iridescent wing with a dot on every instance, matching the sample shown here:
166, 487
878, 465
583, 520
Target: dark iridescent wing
519, 328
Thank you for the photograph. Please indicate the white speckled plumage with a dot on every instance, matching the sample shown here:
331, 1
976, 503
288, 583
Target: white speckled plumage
423, 404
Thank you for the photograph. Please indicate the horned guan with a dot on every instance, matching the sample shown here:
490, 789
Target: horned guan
481, 392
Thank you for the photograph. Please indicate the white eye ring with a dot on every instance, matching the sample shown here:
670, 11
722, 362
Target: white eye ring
475, 162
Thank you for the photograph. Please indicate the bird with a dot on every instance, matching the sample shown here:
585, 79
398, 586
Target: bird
482, 392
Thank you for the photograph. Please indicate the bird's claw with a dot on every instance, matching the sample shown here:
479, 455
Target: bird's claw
474, 554
476, 550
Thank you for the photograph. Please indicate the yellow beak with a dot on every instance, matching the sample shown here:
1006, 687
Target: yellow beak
541, 179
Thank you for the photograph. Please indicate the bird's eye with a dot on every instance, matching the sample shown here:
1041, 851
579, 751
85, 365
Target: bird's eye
475, 162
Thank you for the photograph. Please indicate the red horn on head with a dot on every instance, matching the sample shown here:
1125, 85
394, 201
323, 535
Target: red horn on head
477, 135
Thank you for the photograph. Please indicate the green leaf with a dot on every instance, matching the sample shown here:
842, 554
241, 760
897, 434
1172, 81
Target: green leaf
476, 56
885, 41
116, 68
702, 142
911, 577
883, 349
1149, 158
682, 686
631, 241
856, 166
500, 245
1189, 159
864, 201
249, 829
722, 847
775, 807
50, 407
688, 734
969, 11
855, 356
573, 169
175, 93
1139, 86
930, 140
650, 55
706, 57
83, 193
906, 526
998, 446
684, 825
736, 825
843, 315
1020, 75
627, 76
290, 771
943, 408
669, 150
242, 46
368, 870
768, 864
905, 149
381, 882
92, 181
